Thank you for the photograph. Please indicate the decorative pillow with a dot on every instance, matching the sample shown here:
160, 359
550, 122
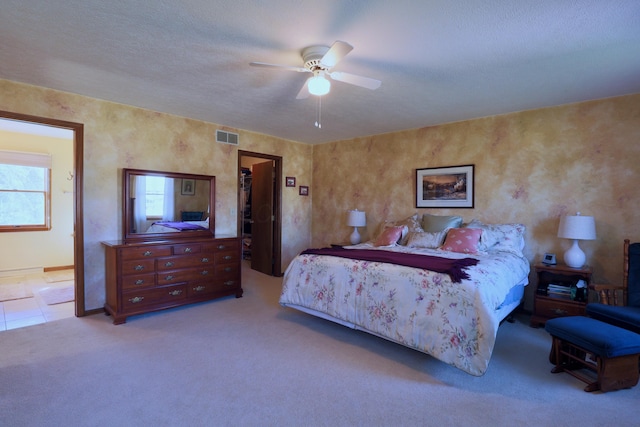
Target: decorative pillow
463, 240
426, 240
435, 223
501, 237
389, 236
411, 223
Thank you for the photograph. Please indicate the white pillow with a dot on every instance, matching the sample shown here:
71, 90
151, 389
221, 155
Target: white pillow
501, 237
423, 239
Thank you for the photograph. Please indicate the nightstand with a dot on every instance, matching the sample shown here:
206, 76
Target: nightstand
559, 300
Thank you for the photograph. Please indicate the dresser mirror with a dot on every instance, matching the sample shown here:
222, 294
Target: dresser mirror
167, 205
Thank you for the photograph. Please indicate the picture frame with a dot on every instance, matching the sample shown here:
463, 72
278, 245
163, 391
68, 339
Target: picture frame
304, 190
290, 181
445, 187
188, 187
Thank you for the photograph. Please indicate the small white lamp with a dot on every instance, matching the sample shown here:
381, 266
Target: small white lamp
356, 219
576, 227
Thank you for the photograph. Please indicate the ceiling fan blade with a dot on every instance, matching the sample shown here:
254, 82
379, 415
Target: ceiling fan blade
337, 51
280, 67
353, 79
304, 92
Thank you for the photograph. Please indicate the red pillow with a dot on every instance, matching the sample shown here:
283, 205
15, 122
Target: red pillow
463, 240
389, 236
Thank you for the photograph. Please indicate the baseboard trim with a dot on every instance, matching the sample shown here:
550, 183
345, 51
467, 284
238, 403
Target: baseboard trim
62, 267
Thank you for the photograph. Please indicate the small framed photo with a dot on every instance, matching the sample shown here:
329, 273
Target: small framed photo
304, 190
188, 187
290, 181
448, 187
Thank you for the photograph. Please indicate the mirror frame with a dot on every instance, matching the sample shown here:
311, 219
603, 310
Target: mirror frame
127, 220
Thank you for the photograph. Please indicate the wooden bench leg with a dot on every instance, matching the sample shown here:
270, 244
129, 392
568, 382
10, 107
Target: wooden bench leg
618, 372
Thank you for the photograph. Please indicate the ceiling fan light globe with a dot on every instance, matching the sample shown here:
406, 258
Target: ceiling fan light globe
319, 86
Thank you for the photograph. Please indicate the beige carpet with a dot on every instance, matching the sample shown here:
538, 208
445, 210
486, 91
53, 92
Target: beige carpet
249, 362
14, 289
59, 276
53, 296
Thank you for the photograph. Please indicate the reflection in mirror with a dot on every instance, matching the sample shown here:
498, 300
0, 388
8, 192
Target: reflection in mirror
167, 205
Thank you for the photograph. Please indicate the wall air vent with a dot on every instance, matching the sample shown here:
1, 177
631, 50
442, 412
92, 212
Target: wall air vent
227, 137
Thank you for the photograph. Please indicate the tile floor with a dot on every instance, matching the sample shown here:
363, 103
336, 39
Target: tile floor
32, 311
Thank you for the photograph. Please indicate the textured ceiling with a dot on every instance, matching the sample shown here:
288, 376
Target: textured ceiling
439, 61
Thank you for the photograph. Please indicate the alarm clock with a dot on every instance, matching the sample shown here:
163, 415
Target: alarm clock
549, 259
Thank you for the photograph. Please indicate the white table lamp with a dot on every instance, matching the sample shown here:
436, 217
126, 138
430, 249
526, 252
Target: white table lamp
576, 227
356, 219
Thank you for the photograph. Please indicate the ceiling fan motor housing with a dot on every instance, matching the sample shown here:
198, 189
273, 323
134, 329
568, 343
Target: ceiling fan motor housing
312, 56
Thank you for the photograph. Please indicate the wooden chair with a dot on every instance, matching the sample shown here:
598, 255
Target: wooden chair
620, 305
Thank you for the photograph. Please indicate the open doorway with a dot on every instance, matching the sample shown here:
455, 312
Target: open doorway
259, 210
76, 175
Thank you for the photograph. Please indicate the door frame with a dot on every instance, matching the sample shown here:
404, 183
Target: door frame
78, 218
277, 196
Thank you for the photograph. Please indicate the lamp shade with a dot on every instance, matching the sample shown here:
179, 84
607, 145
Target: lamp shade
356, 218
577, 227
319, 85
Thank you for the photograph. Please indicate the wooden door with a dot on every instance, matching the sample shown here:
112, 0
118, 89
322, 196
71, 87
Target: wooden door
262, 216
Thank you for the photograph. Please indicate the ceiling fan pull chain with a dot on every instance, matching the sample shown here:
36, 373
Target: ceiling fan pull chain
319, 113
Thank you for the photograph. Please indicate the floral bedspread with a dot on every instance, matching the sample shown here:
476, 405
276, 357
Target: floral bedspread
453, 322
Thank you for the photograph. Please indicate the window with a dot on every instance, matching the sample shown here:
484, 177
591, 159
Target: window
25, 191
155, 186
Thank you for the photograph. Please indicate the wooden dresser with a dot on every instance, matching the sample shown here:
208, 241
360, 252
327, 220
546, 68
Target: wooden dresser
150, 276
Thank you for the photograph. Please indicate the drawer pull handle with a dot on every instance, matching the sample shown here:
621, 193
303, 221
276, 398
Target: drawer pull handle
199, 288
169, 277
138, 267
221, 246
560, 312
227, 257
136, 300
168, 264
205, 259
147, 253
229, 282
227, 269
139, 282
187, 250
204, 272
175, 293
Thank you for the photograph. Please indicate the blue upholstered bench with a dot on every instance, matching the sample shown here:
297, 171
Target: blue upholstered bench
616, 352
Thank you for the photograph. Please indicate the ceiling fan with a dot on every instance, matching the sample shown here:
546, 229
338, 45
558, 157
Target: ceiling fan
319, 60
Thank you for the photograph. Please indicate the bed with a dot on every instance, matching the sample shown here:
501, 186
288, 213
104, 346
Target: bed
177, 226
450, 315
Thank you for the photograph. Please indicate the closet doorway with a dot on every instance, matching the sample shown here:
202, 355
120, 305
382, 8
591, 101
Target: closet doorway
259, 210
77, 173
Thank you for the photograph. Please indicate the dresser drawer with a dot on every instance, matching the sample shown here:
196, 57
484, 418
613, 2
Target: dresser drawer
138, 266
186, 249
555, 307
135, 281
222, 245
185, 275
227, 270
165, 295
227, 257
172, 263
226, 283
142, 252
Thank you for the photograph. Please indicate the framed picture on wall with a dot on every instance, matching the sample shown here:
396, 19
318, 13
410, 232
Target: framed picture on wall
448, 187
188, 187
290, 181
304, 190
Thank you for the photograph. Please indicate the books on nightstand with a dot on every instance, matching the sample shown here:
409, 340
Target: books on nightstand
558, 290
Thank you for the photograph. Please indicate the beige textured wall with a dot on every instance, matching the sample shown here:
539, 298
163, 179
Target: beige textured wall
119, 136
530, 167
